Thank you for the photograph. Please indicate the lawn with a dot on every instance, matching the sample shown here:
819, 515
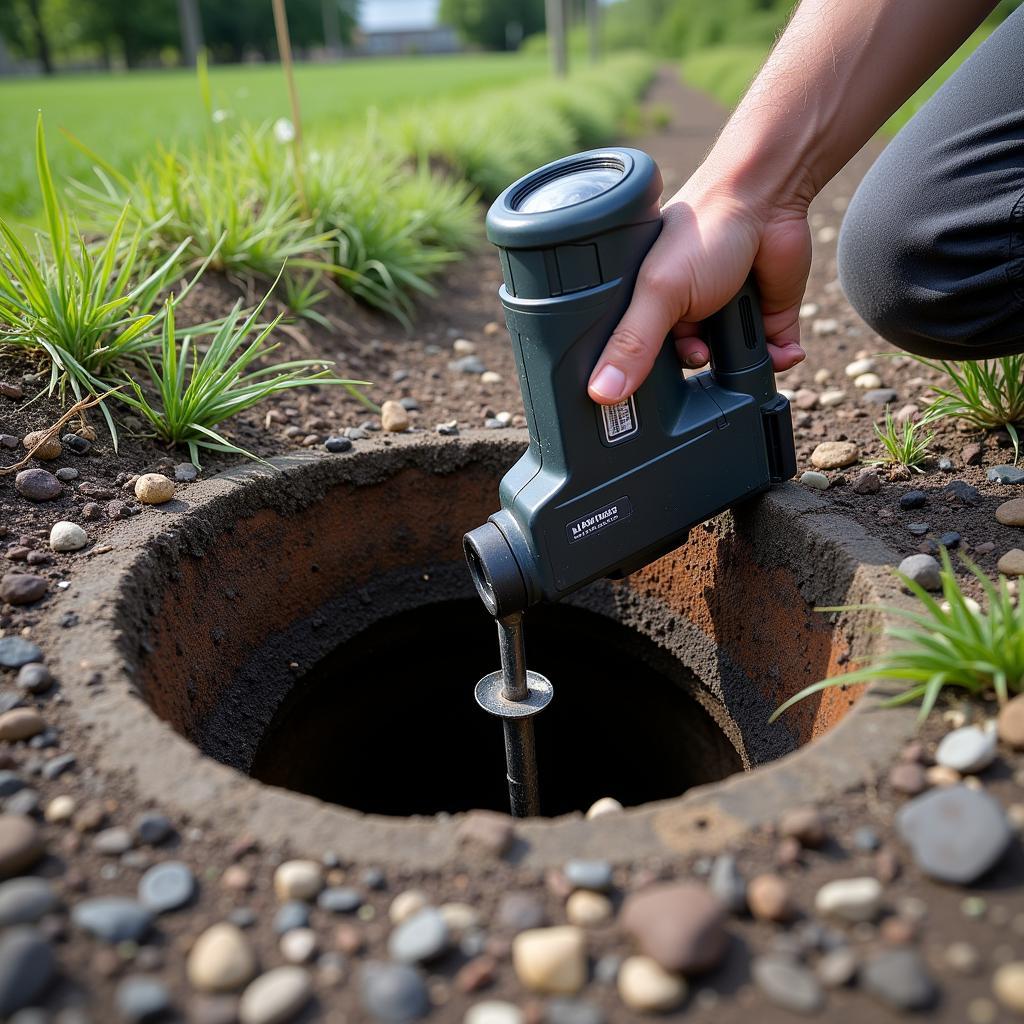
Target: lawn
122, 115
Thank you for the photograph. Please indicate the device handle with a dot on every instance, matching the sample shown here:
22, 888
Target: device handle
739, 351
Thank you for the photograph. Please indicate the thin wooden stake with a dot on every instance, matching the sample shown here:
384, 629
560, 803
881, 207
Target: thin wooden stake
284, 48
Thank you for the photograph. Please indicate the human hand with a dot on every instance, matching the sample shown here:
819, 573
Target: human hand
708, 244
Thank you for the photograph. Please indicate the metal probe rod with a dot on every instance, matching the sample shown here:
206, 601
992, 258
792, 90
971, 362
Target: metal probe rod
520, 751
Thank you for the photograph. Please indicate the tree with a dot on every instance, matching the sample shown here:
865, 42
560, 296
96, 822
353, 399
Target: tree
23, 25
494, 24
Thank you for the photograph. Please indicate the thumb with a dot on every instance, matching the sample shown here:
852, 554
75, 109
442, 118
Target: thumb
634, 345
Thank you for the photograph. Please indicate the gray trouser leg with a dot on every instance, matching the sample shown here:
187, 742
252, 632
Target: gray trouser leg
931, 252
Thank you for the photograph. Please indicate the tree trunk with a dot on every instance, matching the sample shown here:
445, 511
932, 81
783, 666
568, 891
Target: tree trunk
554, 15
191, 31
42, 43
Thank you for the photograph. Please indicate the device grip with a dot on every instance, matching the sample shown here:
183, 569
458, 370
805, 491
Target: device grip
735, 334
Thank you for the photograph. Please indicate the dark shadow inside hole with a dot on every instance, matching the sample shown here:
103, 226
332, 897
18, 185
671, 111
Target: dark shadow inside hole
387, 723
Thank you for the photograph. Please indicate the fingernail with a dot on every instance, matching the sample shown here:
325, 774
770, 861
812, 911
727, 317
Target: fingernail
694, 358
609, 382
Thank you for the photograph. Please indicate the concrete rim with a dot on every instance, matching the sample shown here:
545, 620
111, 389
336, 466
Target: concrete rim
98, 671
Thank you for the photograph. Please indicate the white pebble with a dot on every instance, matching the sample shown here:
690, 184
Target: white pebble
605, 805
815, 480
490, 377
646, 986
65, 536
551, 960
298, 945
823, 328
827, 399
587, 908
493, 1011
967, 750
822, 376
827, 234
298, 880
276, 996
60, 809
808, 310
851, 899
859, 366
868, 381
463, 347
407, 903
154, 489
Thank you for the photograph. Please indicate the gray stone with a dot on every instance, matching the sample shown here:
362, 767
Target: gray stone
25, 900
139, 998
153, 828
595, 875
66, 474
788, 984
337, 445
961, 492
16, 651
112, 842
275, 997
75, 443
27, 965
917, 529
880, 396
34, 677
866, 838
293, 914
899, 979
967, 750
955, 833
185, 473
37, 485
393, 993
22, 588
420, 938
167, 886
727, 884
913, 499
837, 968
113, 918
58, 765
340, 900
563, 1010
1006, 475
520, 911
467, 364
26, 801
10, 783
924, 570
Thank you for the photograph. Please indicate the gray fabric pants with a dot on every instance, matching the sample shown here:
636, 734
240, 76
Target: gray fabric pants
931, 252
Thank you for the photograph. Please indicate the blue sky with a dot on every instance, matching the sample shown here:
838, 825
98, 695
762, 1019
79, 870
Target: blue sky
383, 14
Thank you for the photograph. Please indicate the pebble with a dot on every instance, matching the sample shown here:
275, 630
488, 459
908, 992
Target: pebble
66, 474
769, 898
20, 724
467, 364
113, 918
299, 945
460, 917
34, 677
573, 1011
394, 417
57, 766
837, 967
21, 844
809, 310
899, 979
859, 366
908, 778
167, 886
406, 904
788, 984
1005, 475
955, 833
393, 993
587, 909
293, 914
950, 539
26, 900
1008, 986
646, 986
850, 899
19, 588
185, 473
880, 396
681, 925
924, 570
463, 347
49, 449
1010, 723
806, 825
834, 455
27, 966
1012, 563
589, 874
824, 327
727, 884
913, 500
298, 880
963, 958
494, 1012
340, 900
66, 536
602, 806
275, 997
487, 831
154, 489
337, 445
968, 750
76, 443
867, 481
450, 428
152, 828
221, 959
869, 382
551, 960
830, 398
10, 783
519, 912
420, 938
814, 480
113, 842
140, 998
1011, 513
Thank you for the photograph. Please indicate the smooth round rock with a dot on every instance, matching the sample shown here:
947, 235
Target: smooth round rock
37, 485
1005, 475
589, 874
551, 960
1012, 563
393, 993
293, 914
519, 911
1010, 723
816, 481
494, 1011
908, 778
837, 967
298, 880
678, 924
152, 828
299, 945
859, 366
850, 899
955, 833
770, 898
66, 536
420, 938
869, 382
167, 886
605, 805
60, 809
967, 750
139, 998
26, 900
588, 909
899, 979
460, 917
34, 678
727, 884
66, 474
27, 966
154, 489
913, 500
185, 473
16, 651
573, 1011
113, 918
405, 904
275, 997
221, 959
1011, 513
113, 842
834, 455
924, 570
340, 900
21, 844
788, 984
20, 724
644, 985
22, 588
49, 449
1008, 986
337, 445
394, 417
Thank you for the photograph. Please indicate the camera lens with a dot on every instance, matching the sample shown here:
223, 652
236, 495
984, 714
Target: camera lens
569, 189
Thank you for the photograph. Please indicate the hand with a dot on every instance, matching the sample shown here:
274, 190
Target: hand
708, 244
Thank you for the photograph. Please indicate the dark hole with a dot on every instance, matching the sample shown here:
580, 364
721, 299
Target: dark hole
387, 723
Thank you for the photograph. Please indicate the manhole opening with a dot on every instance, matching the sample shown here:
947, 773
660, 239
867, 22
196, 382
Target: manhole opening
386, 723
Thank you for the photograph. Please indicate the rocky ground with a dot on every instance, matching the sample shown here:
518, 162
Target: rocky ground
905, 897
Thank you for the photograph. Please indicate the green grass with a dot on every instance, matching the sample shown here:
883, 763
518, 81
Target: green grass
124, 115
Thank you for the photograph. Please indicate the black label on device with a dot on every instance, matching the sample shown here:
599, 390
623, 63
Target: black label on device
594, 522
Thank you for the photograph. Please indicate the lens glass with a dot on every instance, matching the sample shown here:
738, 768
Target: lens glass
569, 189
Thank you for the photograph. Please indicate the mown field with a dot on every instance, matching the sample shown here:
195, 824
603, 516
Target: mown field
123, 115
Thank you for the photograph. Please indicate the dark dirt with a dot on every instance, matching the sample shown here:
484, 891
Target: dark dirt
366, 346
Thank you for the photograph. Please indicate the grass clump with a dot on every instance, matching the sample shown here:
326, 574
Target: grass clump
905, 444
988, 394
943, 645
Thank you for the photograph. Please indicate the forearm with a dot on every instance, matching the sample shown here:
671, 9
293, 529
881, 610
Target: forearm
841, 68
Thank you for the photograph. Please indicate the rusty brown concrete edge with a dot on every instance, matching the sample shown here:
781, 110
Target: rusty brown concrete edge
110, 597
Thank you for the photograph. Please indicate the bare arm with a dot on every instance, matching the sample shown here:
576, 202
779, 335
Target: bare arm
838, 72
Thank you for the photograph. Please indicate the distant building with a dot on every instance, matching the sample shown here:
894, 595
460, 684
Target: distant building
391, 42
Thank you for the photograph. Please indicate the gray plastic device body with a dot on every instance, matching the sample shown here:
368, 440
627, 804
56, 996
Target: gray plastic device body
603, 492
